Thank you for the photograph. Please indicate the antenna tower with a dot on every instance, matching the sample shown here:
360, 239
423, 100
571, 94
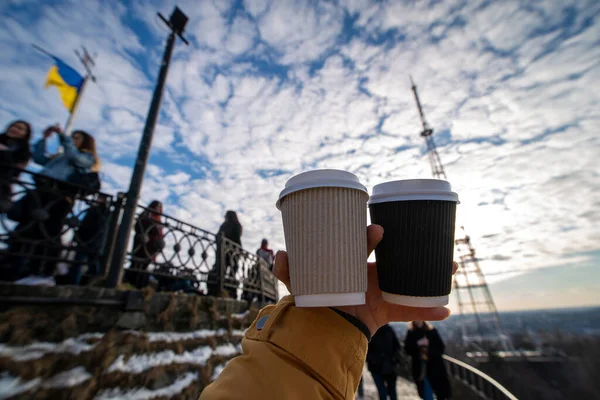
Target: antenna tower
481, 327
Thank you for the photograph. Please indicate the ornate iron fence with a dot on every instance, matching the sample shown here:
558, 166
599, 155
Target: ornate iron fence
47, 225
246, 274
170, 253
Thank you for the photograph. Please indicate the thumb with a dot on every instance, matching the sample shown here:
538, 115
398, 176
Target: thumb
281, 269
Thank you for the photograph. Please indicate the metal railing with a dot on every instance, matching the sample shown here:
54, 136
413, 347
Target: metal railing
45, 224
480, 383
249, 271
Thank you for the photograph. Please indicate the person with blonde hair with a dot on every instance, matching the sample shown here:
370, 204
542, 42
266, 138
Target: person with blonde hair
425, 346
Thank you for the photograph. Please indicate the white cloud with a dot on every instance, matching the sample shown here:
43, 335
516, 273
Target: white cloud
301, 30
256, 7
241, 36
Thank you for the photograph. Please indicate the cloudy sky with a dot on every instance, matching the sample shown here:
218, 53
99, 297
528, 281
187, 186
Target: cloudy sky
267, 89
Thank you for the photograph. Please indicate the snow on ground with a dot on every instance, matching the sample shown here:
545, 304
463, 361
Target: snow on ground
138, 363
240, 315
181, 336
68, 378
37, 350
80, 343
142, 362
11, 386
144, 393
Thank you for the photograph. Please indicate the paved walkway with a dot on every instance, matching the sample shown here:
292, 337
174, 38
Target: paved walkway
406, 389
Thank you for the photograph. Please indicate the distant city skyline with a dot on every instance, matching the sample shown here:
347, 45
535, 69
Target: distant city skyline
268, 89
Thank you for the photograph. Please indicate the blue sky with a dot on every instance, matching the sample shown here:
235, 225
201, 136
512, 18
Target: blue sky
268, 89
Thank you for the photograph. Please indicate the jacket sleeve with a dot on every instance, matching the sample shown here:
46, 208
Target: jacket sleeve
410, 345
78, 158
436, 345
397, 348
39, 152
294, 353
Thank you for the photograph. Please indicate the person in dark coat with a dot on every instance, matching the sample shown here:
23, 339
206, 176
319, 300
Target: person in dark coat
382, 356
425, 346
90, 239
147, 242
15, 153
231, 229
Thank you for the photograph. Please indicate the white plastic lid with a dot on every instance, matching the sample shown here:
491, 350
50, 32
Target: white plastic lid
321, 178
413, 189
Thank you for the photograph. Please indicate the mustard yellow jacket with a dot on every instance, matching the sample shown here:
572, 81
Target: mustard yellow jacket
294, 353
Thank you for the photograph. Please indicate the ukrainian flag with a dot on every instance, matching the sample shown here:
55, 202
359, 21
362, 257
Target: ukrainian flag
67, 81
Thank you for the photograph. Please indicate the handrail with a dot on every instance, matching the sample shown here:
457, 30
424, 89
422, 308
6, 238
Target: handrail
460, 370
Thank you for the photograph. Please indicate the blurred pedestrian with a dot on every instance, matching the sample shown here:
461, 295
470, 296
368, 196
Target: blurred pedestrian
360, 393
425, 346
147, 242
41, 212
90, 239
14, 156
383, 356
265, 253
232, 230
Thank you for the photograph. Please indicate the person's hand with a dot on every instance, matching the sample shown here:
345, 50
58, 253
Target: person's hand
52, 129
423, 341
375, 312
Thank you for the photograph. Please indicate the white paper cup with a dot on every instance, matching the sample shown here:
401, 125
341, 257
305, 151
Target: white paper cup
324, 221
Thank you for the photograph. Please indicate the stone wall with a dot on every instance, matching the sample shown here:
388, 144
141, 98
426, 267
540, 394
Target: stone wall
78, 342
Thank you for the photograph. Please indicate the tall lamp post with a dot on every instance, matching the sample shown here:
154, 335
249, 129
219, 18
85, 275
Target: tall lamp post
176, 23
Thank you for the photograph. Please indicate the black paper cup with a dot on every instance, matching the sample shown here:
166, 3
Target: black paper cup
414, 259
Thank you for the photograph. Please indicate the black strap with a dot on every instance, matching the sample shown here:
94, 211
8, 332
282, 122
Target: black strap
354, 321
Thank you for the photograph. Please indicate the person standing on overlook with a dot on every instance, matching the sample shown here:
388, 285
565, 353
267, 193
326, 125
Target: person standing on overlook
265, 253
425, 346
382, 357
232, 230
147, 242
14, 154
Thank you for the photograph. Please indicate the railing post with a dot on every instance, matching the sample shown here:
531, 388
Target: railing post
262, 285
115, 271
110, 237
222, 266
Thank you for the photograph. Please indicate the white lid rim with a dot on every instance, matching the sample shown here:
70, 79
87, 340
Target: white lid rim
330, 299
416, 301
323, 184
439, 196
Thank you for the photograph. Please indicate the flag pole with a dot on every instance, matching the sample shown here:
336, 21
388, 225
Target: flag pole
69, 124
88, 63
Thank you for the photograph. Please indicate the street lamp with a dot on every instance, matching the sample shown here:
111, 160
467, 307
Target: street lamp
176, 23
